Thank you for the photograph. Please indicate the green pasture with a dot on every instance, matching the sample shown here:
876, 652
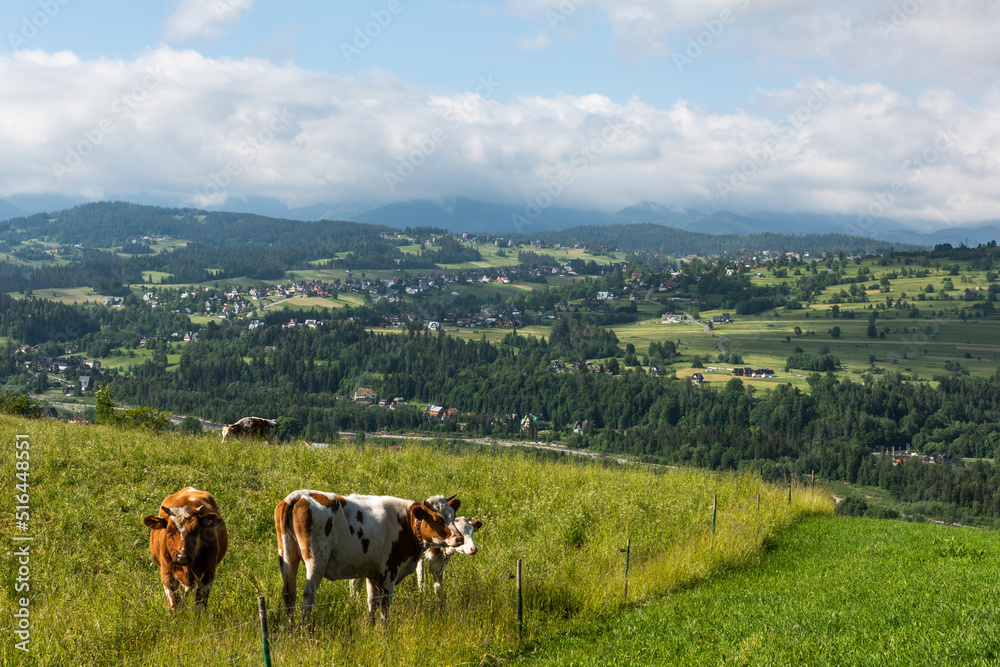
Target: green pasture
491, 258
96, 594
142, 355
828, 591
68, 295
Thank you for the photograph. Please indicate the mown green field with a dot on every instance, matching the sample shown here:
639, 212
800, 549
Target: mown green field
828, 591
491, 257
140, 356
96, 596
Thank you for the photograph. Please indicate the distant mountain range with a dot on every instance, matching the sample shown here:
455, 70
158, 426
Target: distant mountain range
477, 217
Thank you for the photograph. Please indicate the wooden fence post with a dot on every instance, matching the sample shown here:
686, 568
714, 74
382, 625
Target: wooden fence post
262, 611
520, 603
758, 503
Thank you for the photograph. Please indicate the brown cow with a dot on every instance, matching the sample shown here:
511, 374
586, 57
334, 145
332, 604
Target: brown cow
188, 540
251, 427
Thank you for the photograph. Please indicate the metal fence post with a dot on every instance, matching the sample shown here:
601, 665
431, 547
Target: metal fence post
628, 549
520, 603
262, 610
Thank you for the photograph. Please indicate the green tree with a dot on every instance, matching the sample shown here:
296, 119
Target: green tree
105, 406
190, 425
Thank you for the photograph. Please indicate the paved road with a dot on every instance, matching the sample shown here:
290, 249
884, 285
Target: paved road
532, 444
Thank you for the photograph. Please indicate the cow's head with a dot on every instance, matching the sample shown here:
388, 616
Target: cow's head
187, 530
467, 527
437, 522
226, 429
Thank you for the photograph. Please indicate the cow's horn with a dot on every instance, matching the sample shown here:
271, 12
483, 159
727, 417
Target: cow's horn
450, 498
166, 510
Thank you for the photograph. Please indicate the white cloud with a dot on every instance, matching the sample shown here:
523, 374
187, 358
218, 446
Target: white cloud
204, 19
173, 122
905, 42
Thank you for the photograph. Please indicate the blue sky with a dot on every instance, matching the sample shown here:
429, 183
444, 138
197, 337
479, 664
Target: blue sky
879, 107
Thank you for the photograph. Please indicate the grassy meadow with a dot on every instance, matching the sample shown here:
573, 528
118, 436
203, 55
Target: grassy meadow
828, 591
96, 597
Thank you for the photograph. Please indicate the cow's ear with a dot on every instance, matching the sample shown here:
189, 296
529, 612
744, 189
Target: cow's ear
423, 513
155, 522
476, 523
209, 520
454, 503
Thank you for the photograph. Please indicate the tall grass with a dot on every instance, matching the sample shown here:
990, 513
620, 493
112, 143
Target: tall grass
97, 598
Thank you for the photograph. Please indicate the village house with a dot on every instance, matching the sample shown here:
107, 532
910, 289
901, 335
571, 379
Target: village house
365, 395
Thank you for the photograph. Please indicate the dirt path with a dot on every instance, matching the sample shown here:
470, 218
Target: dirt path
721, 343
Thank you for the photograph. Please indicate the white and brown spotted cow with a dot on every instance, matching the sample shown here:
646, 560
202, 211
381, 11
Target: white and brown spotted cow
187, 539
436, 559
251, 427
378, 538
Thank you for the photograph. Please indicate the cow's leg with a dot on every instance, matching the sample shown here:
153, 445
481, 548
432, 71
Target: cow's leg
202, 587
173, 597
315, 568
170, 589
355, 587
288, 563
376, 599
438, 572
289, 558
386, 601
420, 575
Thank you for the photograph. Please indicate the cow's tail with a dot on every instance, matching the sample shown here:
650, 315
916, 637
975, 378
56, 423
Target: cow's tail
289, 554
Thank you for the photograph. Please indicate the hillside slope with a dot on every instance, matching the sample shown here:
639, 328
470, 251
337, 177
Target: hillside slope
95, 592
832, 591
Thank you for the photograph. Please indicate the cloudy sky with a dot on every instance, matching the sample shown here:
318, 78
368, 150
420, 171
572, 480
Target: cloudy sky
843, 106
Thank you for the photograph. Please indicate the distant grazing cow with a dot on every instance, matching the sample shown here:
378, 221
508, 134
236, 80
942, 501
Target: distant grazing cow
251, 427
188, 540
378, 538
436, 559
